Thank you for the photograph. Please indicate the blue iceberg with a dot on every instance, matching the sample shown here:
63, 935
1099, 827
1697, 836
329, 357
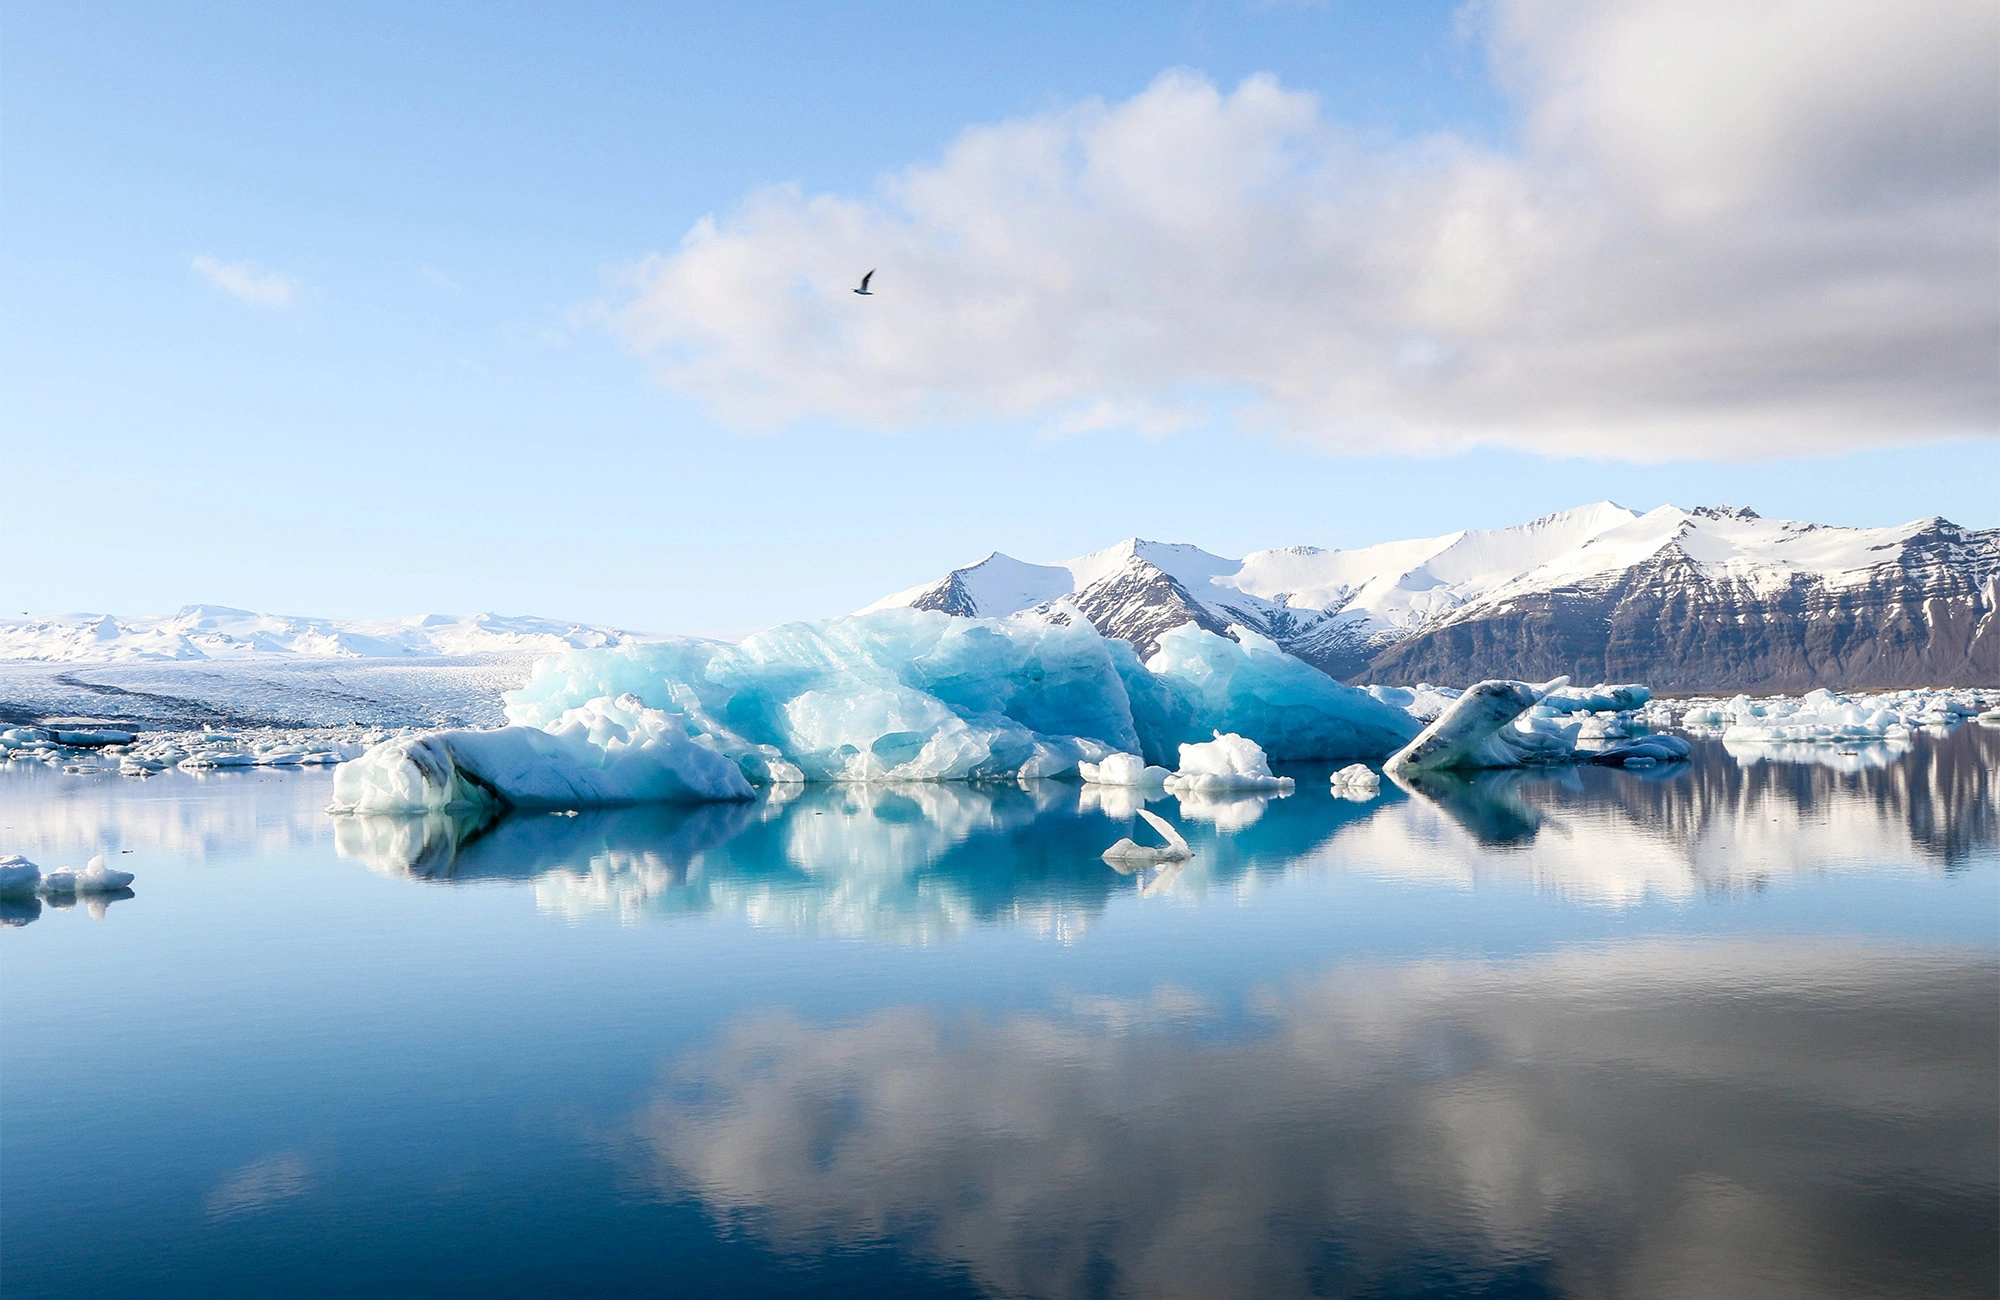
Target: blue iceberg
903, 695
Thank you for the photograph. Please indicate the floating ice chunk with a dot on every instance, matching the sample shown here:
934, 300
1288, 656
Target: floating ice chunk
1128, 850
1122, 769
1357, 776
1228, 763
603, 752
1480, 730
214, 758
18, 875
97, 878
1818, 715
91, 738
1595, 699
1643, 751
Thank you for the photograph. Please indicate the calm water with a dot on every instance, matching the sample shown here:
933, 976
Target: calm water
1730, 1029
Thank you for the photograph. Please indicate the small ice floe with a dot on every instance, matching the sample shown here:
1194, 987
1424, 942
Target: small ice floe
1357, 781
1226, 764
1829, 717
91, 738
1122, 769
23, 886
1128, 852
95, 878
18, 876
1642, 751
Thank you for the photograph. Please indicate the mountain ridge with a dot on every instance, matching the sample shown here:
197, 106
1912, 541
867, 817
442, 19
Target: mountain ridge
221, 632
1716, 597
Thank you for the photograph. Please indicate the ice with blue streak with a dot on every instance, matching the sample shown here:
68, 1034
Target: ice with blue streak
900, 695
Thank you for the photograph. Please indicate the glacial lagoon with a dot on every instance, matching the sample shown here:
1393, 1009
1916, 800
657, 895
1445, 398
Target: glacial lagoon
1728, 1027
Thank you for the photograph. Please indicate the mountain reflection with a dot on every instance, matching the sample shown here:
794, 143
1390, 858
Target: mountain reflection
1735, 1118
919, 863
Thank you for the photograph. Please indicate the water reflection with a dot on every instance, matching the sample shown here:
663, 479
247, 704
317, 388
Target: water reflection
1736, 1118
1706, 826
920, 863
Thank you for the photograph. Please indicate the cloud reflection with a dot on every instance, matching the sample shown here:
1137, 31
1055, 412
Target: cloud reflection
1740, 1118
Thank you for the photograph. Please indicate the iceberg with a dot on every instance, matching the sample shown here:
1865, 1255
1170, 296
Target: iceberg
1501, 724
899, 695
1594, 699
1226, 764
1357, 778
18, 875
606, 751
96, 879
902, 695
1122, 770
1480, 730
1642, 751
1127, 851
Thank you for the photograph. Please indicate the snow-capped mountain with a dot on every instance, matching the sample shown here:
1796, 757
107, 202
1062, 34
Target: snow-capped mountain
217, 632
1711, 598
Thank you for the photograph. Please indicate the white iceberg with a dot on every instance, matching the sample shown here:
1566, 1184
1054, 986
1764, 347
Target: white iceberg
1358, 777
95, 879
608, 751
1226, 764
1594, 699
1127, 851
18, 875
1122, 770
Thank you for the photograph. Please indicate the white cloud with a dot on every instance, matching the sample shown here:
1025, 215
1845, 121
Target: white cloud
247, 282
1729, 230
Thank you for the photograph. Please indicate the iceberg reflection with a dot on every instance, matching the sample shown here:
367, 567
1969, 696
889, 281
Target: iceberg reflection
920, 862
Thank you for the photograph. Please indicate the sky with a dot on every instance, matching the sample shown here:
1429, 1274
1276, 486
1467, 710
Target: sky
371, 310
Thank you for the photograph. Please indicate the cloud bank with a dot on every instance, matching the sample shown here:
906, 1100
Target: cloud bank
1725, 230
246, 282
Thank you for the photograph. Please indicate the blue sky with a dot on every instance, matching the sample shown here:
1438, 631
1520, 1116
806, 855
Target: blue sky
345, 310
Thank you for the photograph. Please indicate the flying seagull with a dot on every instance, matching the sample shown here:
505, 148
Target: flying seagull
864, 290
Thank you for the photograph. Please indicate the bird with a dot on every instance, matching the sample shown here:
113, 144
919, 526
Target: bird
864, 290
